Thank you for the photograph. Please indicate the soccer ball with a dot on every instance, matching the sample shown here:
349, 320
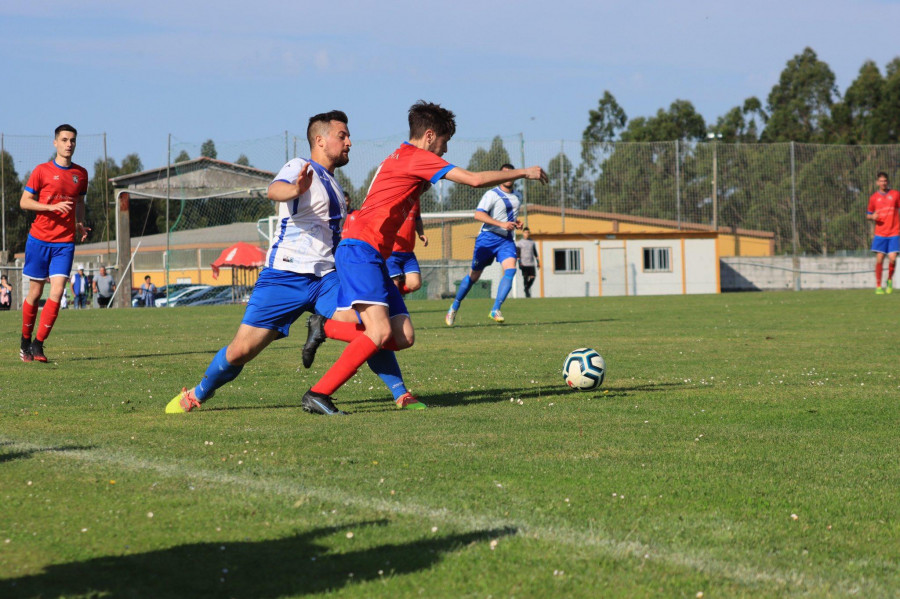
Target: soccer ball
584, 369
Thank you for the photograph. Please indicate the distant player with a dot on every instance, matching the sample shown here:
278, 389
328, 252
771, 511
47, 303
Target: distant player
499, 211
299, 273
403, 267
883, 210
55, 191
529, 261
370, 234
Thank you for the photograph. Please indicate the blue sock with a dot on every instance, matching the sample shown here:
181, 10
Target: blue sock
464, 287
504, 287
217, 374
384, 364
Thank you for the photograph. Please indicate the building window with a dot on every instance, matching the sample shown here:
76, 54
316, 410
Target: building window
657, 260
567, 261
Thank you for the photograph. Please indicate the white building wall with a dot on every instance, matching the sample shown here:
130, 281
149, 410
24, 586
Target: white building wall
701, 266
641, 282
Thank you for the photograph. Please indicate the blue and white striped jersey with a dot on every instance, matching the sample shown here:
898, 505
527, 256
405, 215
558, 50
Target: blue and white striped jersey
309, 227
500, 206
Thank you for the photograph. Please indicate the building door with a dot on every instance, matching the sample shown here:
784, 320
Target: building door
612, 271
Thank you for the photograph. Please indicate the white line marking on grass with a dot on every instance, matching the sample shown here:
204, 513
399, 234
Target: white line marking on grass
747, 574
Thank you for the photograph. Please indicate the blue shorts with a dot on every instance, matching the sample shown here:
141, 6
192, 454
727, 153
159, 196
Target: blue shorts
489, 246
364, 278
402, 263
280, 297
886, 245
45, 259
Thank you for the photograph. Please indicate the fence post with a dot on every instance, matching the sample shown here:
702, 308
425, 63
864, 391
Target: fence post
3, 196
168, 197
678, 184
795, 235
562, 184
524, 183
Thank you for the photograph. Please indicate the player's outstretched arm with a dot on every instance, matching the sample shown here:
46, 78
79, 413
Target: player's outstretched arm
281, 191
491, 178
29, 203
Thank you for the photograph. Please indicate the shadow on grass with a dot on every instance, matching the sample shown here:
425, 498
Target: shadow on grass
292, 566
21, 455
508, 324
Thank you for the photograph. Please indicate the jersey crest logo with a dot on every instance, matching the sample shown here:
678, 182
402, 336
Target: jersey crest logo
75, 178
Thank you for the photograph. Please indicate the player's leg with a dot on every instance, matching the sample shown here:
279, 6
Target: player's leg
413, 282
60, 265
893, 247
482, 257
879, 268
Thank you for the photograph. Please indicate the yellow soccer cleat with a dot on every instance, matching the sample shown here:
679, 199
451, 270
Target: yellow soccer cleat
496, 316
183, 402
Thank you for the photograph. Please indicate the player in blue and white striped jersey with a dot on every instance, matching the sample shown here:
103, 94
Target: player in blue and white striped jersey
499, 211
299, 275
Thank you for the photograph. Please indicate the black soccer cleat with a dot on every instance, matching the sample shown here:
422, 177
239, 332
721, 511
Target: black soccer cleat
37, 351
25, 350
315, 338
319, 403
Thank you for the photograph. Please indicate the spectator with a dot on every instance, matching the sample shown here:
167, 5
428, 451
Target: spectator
104, 286
148, 293
5, 293
79, 289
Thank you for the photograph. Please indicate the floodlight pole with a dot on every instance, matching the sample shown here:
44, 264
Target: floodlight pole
3, 195
168, 195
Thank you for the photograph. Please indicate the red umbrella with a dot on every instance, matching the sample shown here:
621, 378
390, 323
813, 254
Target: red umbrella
241, 255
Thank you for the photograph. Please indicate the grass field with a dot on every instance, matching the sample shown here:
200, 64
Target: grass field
741, 446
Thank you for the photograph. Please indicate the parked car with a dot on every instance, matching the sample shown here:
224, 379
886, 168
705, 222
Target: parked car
177, 294
212, 296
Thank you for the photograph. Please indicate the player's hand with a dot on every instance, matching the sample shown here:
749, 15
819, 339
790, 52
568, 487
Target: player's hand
536, 173
519, 224
81, 232
508, 226
424, 239
63, 207
305, 179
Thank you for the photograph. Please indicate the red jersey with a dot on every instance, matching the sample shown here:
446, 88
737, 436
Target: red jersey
400, 180
52, 184
406, 236
885, 206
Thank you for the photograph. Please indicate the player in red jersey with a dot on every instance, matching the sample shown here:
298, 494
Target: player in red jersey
55, 191
883, 210
369, 237
403, 267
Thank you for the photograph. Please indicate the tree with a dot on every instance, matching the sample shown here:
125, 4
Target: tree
99, 208
800, 103
890, 105
208, 149
463, 197
243, 160
740, 123
858, 118
681, 121
183, 156
604, 124
16, 219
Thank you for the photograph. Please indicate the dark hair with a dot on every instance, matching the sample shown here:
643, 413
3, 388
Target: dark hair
507, 165
324, 119
64, 127
882, 174
146, 277
526, 229
427, 115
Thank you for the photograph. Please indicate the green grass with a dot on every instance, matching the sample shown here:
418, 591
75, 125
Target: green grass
742, 445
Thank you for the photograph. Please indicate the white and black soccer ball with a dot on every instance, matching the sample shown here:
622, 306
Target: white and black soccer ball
584, 369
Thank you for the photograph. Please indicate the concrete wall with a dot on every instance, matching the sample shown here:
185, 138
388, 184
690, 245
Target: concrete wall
816, 272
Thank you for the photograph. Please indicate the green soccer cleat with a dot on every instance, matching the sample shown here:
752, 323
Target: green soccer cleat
183, 402
890, 287
408, 402
879, 291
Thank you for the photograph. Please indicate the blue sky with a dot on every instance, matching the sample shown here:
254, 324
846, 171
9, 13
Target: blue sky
233, 71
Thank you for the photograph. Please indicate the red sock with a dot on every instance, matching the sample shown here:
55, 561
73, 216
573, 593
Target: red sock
878, 268
891, 266
48, 317
343, 331
404, 289
354, 355
29, 315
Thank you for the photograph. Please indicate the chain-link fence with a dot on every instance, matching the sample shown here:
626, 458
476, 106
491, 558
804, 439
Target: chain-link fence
811, 198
